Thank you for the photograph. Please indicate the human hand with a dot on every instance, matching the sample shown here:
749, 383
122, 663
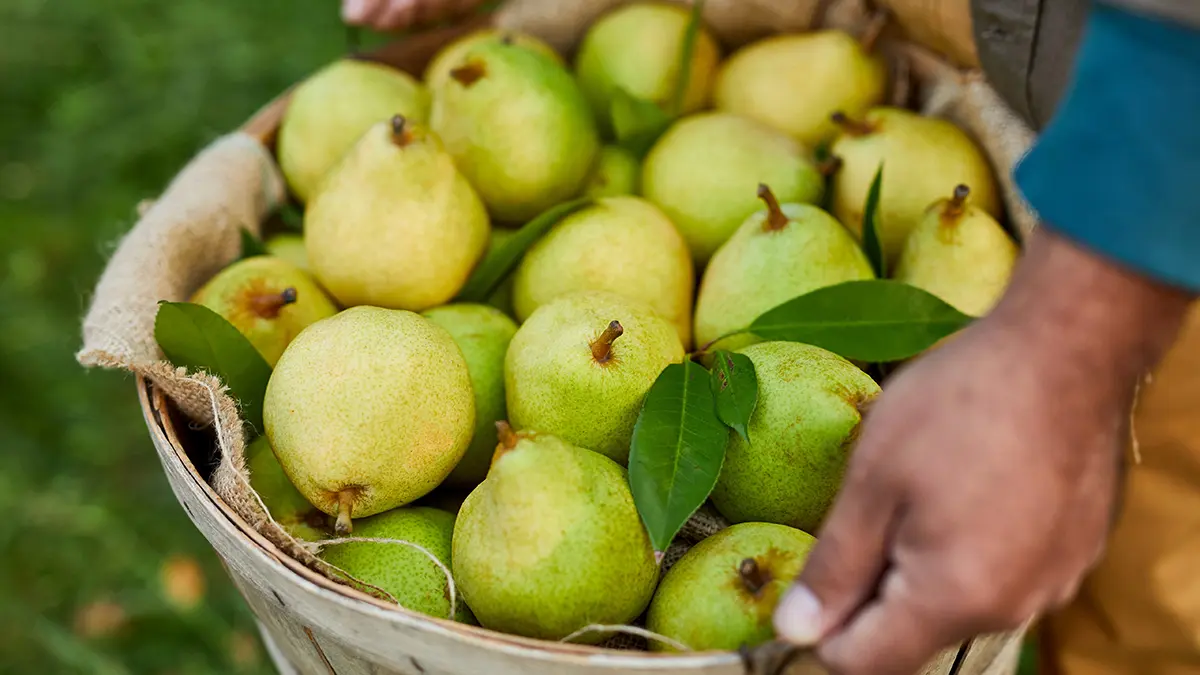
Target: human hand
399, 14
982, 485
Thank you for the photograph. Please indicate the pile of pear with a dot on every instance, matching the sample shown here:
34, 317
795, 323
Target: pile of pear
496, 436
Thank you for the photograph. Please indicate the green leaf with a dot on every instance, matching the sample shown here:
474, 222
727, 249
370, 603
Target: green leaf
872, 244
197, 338
491, 273
735, 387
876, 320
677, 451
637, 122
695, 23
251, 245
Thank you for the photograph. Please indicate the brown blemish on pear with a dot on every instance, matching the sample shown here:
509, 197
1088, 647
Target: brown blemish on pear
470, 72
852, 126
602, 346
776, 218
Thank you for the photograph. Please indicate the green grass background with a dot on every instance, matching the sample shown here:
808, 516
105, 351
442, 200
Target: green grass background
101, 102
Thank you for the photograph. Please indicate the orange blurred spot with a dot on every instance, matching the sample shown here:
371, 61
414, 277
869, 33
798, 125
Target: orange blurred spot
243, 650
99, 619
182, 582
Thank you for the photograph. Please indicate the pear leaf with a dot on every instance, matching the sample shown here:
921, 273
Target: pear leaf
491, 273
677, 451
874, 320
735, 387
686, 52
195, 337
637, 122
251, 245
872, 244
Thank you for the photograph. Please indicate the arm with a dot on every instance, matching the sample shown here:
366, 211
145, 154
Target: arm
982, 486
400, 14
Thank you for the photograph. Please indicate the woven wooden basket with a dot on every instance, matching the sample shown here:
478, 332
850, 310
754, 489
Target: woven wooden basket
315, 626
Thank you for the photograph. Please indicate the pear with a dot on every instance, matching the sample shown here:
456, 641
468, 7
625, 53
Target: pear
451, 56
501, 298
923, 158
777, 254
332, 109
810, 403
722, 593
368, 410
616, 172
551, 542
407, 574
397, 225
704, 170
290, 247
960, 254
482, 333
284, 502
624, 245
795, 82
268, 299
637, 48
580, 366
518, 128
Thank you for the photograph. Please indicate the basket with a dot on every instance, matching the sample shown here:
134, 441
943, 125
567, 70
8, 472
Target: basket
315, 626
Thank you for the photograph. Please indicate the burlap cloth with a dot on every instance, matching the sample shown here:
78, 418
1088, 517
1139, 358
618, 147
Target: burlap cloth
193, 229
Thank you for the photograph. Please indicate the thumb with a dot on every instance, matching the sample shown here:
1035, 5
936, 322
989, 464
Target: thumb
844, 568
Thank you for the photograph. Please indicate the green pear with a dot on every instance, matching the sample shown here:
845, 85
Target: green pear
959, 253
810, 402
290, 247
268, 299
780, 253
923, 158
408, 575
397, 225
795, 82
624, 245
518, 128
637, 48
616, 172
332, 109
451, 56
502, 297
284, 502
483, 334
551, 542
368, 410
703, 173
722, 593
580, 366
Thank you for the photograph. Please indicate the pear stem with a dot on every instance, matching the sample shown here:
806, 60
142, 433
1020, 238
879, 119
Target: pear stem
508, 438
829, 166
957, 203
343, 526
401, 134
753, 577
851, 126
874, 29
776, 219
602, 346
268, 305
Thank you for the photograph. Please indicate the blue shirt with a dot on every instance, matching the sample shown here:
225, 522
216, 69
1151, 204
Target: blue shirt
1118, 167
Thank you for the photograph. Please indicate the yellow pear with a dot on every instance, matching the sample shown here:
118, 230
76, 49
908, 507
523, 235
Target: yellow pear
333, 108
795, 82
624, 245
923, 158
396, 224
959, 253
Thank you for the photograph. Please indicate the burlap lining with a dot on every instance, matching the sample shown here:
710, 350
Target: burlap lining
193, 229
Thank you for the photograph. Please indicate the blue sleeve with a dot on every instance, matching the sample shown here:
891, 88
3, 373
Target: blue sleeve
1118, 167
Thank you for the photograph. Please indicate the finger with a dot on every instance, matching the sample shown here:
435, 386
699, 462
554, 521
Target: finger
893, 635
844, 567
397, 14
360, 12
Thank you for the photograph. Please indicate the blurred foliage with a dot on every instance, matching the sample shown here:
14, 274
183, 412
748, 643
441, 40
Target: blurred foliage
100, 570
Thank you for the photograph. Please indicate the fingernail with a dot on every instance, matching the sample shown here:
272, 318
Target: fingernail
355, 10
798, 617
